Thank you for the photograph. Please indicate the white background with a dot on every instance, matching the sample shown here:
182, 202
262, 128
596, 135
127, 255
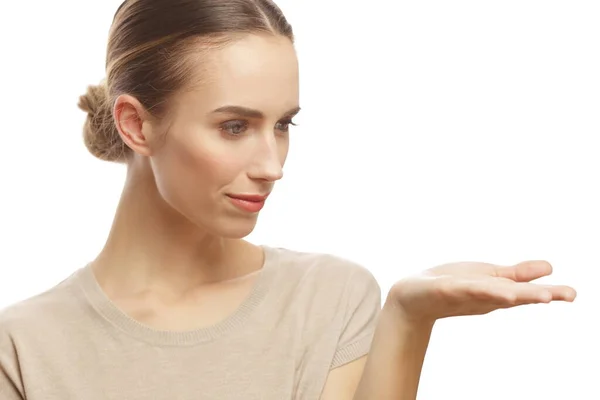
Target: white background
431, 131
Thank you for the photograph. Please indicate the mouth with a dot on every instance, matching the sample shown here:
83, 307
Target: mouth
251, 203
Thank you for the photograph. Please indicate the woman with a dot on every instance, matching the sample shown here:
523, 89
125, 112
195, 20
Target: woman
198, 102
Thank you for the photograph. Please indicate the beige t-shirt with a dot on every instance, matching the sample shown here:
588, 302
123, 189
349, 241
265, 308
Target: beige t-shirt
307, 313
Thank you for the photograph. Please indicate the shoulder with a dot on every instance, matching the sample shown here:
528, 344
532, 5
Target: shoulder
34, 314
335, 302
28, 329
326, 280
328, 268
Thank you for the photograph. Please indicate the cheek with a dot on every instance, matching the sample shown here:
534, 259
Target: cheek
197, 164
217, 169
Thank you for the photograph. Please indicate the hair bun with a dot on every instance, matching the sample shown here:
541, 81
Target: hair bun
100, 134
93, 100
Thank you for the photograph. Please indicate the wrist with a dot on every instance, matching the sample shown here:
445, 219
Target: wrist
392, 310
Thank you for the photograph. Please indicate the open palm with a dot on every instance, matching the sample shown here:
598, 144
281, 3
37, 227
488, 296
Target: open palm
471, 288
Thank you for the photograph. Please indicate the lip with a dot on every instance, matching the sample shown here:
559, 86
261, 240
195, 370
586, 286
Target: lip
249, 197
251, 203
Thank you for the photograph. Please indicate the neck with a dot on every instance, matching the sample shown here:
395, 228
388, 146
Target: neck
151, 245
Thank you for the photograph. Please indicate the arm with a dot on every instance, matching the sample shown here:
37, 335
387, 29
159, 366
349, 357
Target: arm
393, 367
394, 364
397, 352
396, 355
342, 382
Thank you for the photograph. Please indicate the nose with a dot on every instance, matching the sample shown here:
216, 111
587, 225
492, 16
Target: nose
268, 160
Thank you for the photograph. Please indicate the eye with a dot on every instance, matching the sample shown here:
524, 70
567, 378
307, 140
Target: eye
235, 127
284, 126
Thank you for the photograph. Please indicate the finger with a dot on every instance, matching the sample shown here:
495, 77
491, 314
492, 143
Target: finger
525, 271
511, 293
529, 293
561, 292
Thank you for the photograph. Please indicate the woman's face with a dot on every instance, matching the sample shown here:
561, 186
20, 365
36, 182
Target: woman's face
228, 139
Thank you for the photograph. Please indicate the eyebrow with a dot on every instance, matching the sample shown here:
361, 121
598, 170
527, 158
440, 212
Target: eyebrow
251, 113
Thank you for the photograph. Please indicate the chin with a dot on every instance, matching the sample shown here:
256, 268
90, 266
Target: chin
236, 233
233, 228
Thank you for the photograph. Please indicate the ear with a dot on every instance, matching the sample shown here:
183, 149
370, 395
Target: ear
134, 124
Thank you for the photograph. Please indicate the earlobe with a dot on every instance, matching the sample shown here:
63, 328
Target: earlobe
130, 121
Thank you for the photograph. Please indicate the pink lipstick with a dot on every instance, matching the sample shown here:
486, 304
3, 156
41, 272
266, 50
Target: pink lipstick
248, 202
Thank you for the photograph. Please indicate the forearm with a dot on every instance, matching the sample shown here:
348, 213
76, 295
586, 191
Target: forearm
395, 361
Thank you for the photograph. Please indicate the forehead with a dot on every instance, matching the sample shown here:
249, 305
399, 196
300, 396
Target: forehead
259, 72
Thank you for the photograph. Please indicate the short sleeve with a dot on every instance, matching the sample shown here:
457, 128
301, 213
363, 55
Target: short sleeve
363, 304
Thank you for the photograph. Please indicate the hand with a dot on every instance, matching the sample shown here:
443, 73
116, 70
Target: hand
471, 288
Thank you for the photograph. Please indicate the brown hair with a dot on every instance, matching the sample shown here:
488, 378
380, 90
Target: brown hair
149, 52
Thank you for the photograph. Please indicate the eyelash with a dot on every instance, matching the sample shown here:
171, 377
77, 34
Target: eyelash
233, 124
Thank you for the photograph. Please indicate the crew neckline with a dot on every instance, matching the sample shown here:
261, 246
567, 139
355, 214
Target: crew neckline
100, 302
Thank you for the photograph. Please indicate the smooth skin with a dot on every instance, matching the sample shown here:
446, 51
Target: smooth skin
393, 367
182, 238
175, 227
